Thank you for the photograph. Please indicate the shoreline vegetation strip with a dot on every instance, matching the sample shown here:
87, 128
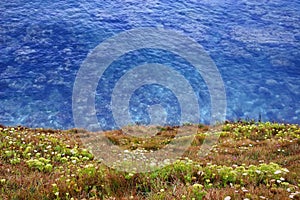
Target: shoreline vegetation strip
251, 160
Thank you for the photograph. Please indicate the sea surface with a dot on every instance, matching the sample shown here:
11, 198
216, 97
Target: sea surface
255, 45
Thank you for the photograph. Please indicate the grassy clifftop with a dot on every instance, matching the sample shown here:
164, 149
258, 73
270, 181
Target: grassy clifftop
249, 161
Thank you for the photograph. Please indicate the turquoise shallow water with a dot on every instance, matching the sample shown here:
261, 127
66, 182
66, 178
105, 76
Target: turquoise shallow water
254, 44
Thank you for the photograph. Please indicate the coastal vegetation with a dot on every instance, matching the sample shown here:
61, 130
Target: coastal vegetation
250, 160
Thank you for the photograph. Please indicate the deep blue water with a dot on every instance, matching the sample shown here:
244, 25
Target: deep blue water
255, 45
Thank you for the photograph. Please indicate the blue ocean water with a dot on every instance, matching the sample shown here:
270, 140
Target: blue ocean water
255, 45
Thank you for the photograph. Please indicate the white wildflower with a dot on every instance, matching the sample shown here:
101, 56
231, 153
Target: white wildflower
227, 198
277, 172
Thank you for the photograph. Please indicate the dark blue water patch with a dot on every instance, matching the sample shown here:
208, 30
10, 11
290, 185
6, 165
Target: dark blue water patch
255, 45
